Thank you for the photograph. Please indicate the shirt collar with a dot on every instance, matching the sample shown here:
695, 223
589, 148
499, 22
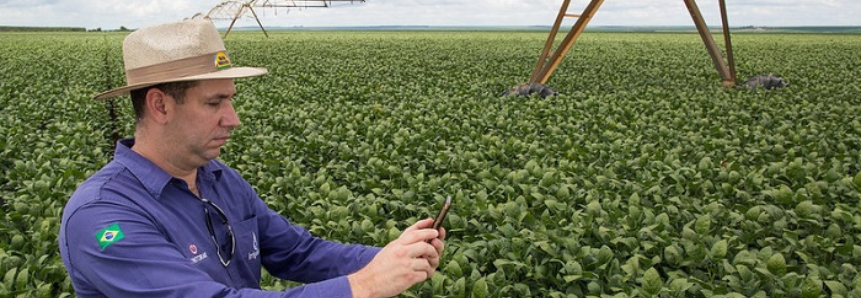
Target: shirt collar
153, 178
210, 171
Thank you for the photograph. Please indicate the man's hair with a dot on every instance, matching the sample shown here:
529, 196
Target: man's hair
174, 89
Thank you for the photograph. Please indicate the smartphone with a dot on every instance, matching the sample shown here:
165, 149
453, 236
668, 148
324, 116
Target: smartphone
437, 223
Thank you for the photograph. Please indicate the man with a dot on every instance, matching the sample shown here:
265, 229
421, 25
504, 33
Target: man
166, 219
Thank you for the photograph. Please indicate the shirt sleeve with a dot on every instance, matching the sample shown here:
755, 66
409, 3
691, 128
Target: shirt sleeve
120, 252
291, 252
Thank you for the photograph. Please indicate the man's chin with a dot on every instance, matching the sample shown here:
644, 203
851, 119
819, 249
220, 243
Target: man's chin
213, 154
210, 154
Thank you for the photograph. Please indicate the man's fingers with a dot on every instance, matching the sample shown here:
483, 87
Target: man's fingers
421, 249
419, 265
434, 262
426, 223
428, 272
422, 235
422, 224
422, 270
419, 276
438, 241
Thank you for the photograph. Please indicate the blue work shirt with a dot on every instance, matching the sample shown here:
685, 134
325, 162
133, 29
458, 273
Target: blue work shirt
133, 230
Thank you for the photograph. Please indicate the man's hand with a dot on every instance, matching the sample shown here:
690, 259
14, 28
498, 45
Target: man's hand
408, 260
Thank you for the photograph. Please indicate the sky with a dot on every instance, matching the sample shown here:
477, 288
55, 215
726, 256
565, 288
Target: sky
111, 14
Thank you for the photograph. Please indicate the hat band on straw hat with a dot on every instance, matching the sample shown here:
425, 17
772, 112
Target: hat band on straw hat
178, 69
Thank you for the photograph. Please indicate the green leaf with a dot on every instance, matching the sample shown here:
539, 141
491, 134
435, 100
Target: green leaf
836, 287
652, 282
753, 213
563, 192
632, 266
453, 269
594, 208
705, 164
572, 278
733, 282
552, 205
703, 224
9, 278
22, 279
680, 285
594, 288
806, 209
605, 254
662, 220
572, 267
833, 232
393, 233
744, 272
634, 200
459, 287
479, 289
17, 242
672, 255
776, 264
438, 283
325, 188
719, 249
811, 288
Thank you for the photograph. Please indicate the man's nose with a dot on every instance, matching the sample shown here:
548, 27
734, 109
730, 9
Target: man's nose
230, 119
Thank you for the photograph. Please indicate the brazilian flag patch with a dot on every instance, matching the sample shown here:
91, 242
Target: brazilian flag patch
109, 235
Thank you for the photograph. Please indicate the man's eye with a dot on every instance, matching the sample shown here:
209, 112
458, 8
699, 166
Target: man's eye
213, 104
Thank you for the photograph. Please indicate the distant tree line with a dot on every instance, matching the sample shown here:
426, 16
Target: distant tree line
121, 29
41, 29
59, 29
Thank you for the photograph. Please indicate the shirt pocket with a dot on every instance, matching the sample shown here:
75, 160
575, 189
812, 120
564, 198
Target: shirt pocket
248, 251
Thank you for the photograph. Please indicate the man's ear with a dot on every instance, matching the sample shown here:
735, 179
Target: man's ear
156, 104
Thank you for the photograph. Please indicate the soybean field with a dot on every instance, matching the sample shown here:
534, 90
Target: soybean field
642, 178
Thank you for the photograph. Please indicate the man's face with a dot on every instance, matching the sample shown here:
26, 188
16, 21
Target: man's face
202, 124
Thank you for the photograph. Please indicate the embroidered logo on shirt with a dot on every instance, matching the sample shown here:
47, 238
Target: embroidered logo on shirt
253, 255
109, 235
198, 258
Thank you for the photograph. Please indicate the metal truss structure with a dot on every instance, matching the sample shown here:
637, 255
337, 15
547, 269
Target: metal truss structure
548, 63
233, 10
545, 67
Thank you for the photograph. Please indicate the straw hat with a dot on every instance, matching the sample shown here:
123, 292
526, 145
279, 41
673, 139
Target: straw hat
185, 51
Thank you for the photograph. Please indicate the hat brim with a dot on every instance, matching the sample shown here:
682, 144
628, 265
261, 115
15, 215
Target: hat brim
231, 73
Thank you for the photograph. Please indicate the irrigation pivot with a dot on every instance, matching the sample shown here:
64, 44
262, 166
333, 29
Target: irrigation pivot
548, 63
233, 10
